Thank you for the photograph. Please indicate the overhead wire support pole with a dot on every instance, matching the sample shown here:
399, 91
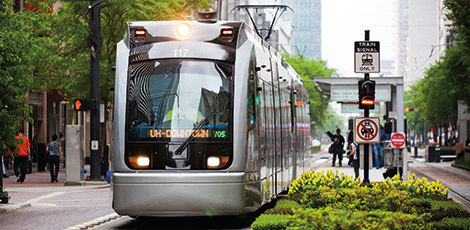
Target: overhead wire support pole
94, 41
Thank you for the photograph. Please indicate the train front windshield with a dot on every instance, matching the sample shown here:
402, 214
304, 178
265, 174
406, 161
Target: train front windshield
173, 100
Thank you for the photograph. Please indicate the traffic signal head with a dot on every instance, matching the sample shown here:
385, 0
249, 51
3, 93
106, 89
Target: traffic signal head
366, 94
408, 109
80, 105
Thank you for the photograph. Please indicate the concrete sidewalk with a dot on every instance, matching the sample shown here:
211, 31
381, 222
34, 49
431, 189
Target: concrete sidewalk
38, 184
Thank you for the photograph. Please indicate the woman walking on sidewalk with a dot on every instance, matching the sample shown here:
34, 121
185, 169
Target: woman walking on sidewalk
55, 157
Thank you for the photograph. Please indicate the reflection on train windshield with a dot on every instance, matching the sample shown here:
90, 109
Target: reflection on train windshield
174, 100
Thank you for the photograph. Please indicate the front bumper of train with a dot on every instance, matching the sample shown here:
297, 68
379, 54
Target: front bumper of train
172, 194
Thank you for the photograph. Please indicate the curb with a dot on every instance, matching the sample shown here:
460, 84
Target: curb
13, 207
96, 222
460, 167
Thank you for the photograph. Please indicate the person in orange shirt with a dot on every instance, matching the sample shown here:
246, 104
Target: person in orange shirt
22, 156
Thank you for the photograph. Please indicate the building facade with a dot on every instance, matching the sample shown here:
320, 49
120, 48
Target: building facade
306, 23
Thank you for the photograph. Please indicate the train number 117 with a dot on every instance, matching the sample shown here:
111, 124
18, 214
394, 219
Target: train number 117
180, 52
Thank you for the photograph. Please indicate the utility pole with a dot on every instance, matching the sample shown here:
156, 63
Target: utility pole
94, 41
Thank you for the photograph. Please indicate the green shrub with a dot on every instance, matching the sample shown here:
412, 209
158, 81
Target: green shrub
279, 211
311, 180
421, 205
461, 161
453, 224
359, 198
445, 204
440, 214
285, 203
330, 218
314, 149
296, 197
420, 188
270, 222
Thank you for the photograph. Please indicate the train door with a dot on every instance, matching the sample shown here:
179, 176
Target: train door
253, 164
253, 122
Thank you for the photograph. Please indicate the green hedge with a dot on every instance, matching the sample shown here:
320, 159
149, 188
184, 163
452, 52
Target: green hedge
270, 222
332, 201
453, 224
331, 218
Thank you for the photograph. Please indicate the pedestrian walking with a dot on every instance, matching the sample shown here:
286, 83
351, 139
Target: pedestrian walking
22, 156
55, 157
338, 144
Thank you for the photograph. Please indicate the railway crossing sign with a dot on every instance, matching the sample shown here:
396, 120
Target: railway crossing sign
398, 140
367, 130
367, 57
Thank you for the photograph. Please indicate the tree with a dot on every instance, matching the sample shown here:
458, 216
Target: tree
68, 67
308, 69
18, 39
458, 58
446, 81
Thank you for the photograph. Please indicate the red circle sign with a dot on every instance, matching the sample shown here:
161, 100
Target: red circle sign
367, 130
398, 140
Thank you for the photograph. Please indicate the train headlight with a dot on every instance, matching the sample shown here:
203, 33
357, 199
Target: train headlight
183, 31
213, 162
140, 161
143, 161
217, 162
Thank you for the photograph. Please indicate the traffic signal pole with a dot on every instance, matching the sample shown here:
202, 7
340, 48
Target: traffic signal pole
94, 42
366, 114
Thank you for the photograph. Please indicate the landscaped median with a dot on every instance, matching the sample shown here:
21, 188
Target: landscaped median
319, 200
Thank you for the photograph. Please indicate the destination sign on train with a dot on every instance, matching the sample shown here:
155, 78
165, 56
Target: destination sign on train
185, 133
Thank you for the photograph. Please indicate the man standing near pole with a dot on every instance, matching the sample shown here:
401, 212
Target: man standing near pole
338, 144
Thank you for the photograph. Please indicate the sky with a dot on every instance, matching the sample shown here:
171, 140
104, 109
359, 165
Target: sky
344, 22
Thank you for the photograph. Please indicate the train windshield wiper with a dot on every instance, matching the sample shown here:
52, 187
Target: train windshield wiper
221, 101
191, 137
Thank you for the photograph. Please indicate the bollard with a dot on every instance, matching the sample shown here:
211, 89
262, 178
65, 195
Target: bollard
416, 151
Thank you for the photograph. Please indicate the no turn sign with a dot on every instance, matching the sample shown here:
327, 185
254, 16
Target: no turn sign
398, 140
366, 130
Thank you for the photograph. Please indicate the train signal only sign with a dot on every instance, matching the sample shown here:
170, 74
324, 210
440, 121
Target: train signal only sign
398, 140
367, 57
367, 130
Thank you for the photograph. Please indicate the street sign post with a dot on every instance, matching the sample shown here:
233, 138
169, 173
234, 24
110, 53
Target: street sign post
367, 130
367, 57
398, 140
367, 60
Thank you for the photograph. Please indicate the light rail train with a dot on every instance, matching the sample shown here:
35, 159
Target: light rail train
208, 120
